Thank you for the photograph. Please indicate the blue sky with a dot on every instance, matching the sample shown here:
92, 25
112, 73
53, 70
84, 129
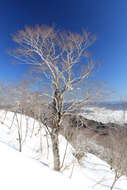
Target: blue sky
107, 19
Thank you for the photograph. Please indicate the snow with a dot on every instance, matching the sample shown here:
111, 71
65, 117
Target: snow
22, 173
32, 169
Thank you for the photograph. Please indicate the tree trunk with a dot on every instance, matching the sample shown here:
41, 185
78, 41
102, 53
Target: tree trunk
55, 149
114, 182
20, 141
55, 129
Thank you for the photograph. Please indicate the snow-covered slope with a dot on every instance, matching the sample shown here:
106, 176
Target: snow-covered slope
35, 143
20, 171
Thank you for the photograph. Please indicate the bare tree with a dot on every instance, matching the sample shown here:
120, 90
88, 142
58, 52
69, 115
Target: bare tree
63, 59
116, 152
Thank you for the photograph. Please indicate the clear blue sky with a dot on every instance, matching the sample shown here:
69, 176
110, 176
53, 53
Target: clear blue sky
105, 18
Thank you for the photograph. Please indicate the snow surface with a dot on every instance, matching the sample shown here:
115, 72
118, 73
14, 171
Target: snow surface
18, 172
31, 169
